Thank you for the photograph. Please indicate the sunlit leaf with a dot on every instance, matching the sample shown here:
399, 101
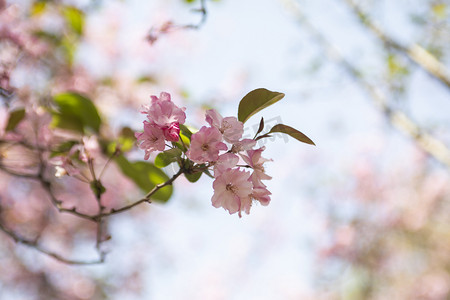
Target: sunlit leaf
38, 8
440, 10
185, 135
167, 157
255, 101
186, 131
126, 139
395, 67
14, 119
292, 132
75, 112
74, 18
146, 176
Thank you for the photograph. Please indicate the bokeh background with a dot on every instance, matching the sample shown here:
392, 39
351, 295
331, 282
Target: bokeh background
363, 215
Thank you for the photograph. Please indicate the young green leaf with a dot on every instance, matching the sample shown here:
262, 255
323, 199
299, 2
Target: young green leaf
263, 136
186, 131
167, 157
75, 112
261, 126
146, 176
292, 132
255, 101
14, 119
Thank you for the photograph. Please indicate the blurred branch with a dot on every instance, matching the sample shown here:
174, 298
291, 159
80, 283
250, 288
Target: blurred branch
415, 53
169, 26
98, 218
398, 119
34, 244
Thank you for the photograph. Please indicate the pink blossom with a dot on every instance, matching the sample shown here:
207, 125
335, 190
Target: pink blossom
205, 145
64, 166
230, 127
163, 112
226, 161
152, 139
243, 145
89, 148
256, 161
171, 132
4, 117
232, 190
261, 194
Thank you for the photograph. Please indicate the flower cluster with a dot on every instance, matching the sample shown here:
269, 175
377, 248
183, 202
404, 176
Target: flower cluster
234, 188
164, 120
218, 147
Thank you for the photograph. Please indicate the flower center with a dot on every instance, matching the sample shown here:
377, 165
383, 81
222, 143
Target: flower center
205, 147
225, 126
231, 188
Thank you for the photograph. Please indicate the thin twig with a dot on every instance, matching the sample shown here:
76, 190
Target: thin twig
169, 26
146, 198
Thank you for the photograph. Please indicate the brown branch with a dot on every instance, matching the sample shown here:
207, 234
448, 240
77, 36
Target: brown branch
145, 199
434, 147
417, 54
99, 218
34, 244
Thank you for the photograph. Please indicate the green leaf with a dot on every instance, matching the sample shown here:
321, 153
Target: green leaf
146, 176
186, 141
193, 177
186, 131
63, 148
38, 8
47, 37
14, 119
440, 10
292, 132
74, 18
167, 157
126, 139
255, 101
75, 112
69, 48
